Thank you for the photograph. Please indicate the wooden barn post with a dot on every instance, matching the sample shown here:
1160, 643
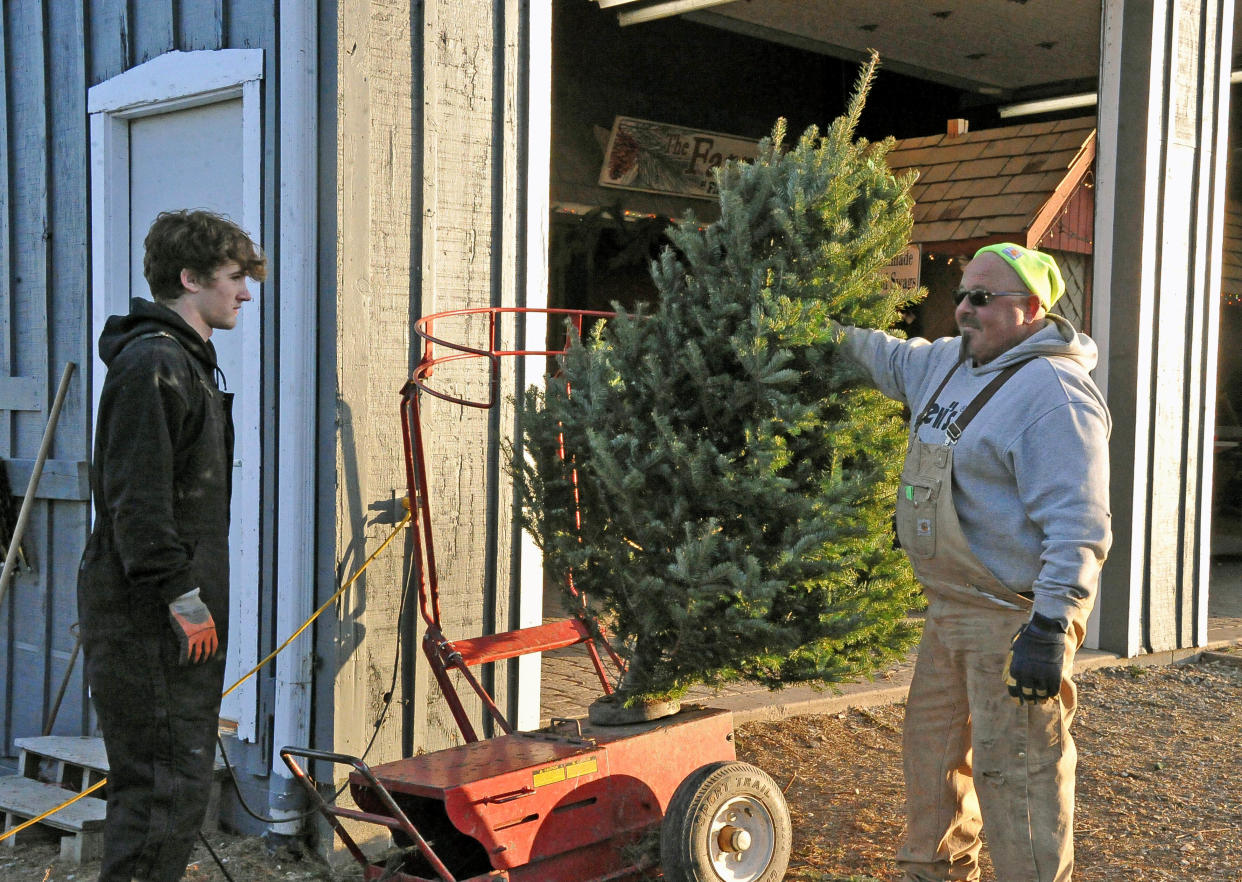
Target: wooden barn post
1164, 93
442, 156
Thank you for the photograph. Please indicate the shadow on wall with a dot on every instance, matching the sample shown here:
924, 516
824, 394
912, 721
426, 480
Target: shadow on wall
365, 526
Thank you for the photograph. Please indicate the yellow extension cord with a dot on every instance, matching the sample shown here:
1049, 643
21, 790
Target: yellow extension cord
331, 600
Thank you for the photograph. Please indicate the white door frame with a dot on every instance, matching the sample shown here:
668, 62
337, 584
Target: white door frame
177, 81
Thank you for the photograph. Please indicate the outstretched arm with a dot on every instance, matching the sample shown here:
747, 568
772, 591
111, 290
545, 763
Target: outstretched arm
898, 368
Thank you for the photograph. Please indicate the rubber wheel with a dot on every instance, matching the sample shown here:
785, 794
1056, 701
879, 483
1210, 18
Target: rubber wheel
727, 822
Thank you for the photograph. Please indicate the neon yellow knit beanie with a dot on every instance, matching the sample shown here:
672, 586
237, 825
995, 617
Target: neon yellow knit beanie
1037, 269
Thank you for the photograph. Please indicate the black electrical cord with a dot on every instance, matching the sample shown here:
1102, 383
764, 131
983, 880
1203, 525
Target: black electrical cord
212, 852
246, 806
392, 687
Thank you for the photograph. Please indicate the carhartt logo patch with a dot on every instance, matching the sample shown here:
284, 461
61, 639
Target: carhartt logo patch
1012, 253
923, 526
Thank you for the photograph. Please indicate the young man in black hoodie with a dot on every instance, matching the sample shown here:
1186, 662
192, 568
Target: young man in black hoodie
153, 588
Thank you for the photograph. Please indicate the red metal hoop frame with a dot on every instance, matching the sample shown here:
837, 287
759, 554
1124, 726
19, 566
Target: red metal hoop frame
461, 655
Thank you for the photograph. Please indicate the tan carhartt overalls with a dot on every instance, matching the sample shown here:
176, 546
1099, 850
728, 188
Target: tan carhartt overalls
973, 757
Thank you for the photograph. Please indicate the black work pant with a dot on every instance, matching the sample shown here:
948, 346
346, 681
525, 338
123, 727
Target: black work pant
159, 722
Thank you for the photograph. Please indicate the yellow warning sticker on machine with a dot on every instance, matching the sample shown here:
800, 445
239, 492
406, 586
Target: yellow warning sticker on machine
556, 774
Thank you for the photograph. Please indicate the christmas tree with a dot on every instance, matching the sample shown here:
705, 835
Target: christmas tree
728, 482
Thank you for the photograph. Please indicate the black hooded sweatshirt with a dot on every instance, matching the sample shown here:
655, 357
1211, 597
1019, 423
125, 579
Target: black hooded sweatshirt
161, 478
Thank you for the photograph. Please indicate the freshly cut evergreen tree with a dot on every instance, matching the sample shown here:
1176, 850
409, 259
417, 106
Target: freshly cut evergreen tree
734, 478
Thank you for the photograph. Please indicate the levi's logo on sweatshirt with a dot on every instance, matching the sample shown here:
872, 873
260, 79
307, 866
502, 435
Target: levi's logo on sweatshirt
941, 415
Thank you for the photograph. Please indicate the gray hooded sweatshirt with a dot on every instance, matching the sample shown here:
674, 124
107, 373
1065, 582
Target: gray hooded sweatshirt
1030, 473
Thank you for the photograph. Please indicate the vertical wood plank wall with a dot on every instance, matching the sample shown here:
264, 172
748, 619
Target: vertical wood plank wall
43, 309
1162, 135
51, 52
9, 402
464, 221
373, 309
430, 199
67, 306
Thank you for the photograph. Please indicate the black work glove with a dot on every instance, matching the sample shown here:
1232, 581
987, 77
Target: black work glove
1036, 657
194, 627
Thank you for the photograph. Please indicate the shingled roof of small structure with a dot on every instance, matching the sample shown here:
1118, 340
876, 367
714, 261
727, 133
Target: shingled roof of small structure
1005, 183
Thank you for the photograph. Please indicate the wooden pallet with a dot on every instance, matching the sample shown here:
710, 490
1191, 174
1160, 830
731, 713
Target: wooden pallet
78, 826
64, 760
70, 764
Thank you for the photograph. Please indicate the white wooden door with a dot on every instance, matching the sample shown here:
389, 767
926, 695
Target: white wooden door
188, 139
190, 159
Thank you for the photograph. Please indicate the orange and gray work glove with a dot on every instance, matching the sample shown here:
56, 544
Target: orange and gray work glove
194, 627
1036, 658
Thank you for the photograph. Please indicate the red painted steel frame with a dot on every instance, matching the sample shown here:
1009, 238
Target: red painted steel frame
460, 655
566, 808
391, 815
541, 806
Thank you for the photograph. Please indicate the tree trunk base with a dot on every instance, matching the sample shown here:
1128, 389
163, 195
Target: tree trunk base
610, 710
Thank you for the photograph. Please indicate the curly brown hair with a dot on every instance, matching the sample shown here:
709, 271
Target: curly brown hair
198, 241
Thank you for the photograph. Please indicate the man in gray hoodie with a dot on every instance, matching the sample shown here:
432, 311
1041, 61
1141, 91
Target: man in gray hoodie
1003, 511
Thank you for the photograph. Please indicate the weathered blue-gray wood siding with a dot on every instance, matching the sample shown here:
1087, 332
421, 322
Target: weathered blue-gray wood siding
51, 52
44, 307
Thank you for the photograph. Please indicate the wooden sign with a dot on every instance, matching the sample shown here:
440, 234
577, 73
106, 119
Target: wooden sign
903, 270
659, 158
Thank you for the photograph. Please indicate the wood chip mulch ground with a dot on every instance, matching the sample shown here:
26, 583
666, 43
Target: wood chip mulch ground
1159, 780
1159, 789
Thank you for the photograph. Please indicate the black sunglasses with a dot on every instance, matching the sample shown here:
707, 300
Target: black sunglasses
981, 297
